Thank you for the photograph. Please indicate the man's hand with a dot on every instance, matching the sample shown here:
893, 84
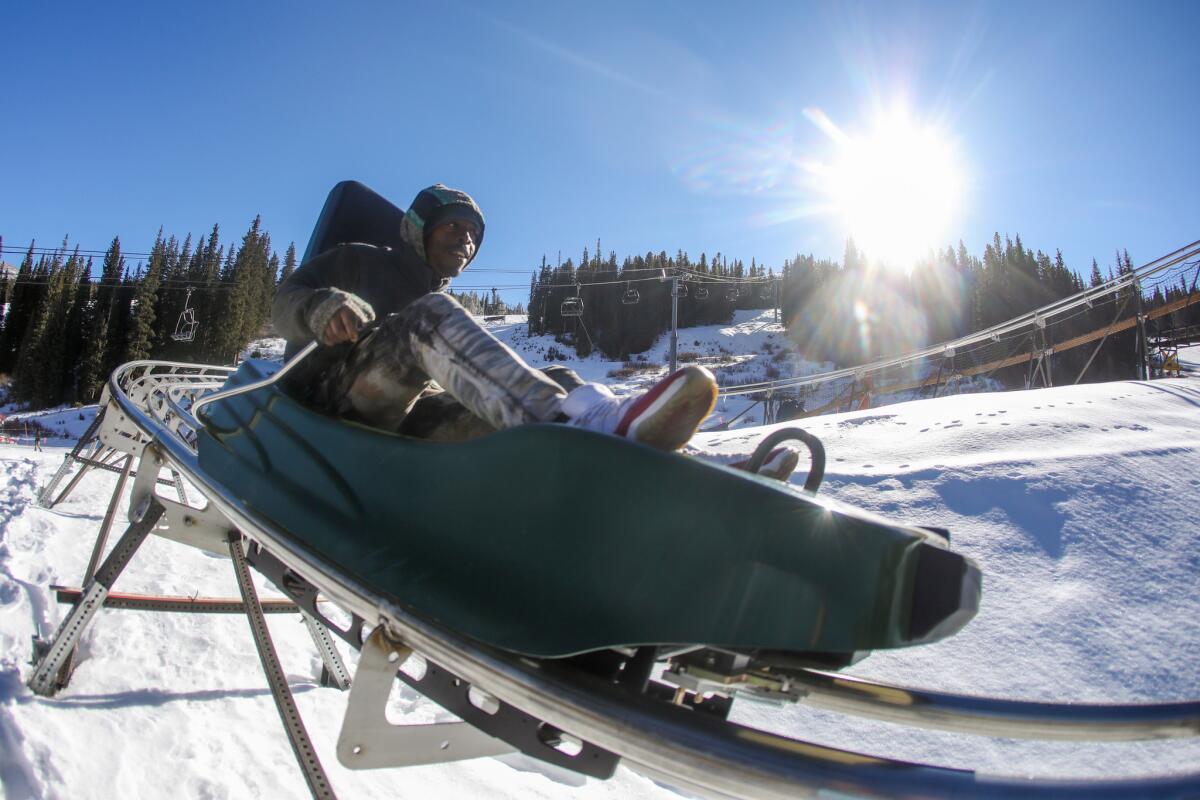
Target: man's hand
342, 327
337, 316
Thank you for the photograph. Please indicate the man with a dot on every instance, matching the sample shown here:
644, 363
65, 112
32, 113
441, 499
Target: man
377, 375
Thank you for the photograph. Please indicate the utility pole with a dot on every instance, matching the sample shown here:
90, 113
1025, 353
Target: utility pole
1143, 371
675, 322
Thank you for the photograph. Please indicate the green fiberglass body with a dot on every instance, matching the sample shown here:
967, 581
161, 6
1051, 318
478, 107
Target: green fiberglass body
549, 541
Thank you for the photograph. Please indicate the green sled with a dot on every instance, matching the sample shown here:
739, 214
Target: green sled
550, 541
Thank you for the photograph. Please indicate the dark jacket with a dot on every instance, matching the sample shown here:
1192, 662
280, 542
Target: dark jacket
386, 279
373, 281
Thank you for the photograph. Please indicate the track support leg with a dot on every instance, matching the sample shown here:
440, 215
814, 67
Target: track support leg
178, 479
306, 755
97, 551
44, 497
51, 657
333, 673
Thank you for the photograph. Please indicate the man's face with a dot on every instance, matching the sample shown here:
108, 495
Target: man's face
450, 247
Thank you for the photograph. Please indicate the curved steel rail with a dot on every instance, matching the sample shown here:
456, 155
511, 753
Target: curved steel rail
250, 387
985, 716
665, 741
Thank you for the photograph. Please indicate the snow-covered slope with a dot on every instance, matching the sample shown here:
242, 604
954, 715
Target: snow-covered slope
1078, 502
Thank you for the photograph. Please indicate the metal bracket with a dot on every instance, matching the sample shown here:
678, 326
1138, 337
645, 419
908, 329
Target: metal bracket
119, 432
369, 741
203, 528
303, 594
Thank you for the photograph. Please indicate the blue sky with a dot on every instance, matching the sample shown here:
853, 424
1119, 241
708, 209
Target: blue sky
650, 126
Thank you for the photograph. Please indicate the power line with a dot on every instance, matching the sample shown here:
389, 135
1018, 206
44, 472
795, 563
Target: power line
698, 276
174, 285
52, 251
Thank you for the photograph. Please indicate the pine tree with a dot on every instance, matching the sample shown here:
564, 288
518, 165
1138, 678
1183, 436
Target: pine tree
289, 263
250, 284
6, 286
78, 325
141, 333
23, 303
170, 298
41, 369
208, 298
96, 365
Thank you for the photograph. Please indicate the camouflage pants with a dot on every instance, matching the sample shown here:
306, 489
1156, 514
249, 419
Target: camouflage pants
387, 380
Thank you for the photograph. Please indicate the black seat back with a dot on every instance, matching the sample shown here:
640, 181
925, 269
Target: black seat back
354, 213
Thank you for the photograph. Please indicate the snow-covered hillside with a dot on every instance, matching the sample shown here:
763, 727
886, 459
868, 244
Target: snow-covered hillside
1078, 503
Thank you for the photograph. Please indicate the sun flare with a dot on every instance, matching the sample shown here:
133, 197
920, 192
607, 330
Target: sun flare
898, 188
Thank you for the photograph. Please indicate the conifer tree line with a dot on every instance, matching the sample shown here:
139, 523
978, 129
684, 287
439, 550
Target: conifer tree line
65, 331
849, 313
486, 305
852, 313
626, 306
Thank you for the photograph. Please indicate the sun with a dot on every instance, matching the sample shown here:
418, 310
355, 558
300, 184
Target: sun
898, 188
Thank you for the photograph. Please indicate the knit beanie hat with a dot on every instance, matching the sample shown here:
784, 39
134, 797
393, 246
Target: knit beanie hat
435, 205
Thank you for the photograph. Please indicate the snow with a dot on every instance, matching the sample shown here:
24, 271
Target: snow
1078, 503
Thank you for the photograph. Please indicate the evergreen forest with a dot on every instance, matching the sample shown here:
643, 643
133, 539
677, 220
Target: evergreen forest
848, 313
70, 321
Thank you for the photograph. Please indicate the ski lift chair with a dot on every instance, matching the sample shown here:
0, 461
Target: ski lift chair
679, 290
185, 326
572, 307
631, 295
732, 294
701, 293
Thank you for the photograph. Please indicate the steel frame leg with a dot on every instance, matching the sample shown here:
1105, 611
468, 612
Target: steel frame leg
334, 671
306, 756
97, 551
52, 657
183, 498
48, 491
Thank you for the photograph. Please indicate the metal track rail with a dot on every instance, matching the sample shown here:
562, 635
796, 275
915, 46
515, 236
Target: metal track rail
991, 717
709, 756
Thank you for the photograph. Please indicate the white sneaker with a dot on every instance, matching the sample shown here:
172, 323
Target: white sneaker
665, 417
